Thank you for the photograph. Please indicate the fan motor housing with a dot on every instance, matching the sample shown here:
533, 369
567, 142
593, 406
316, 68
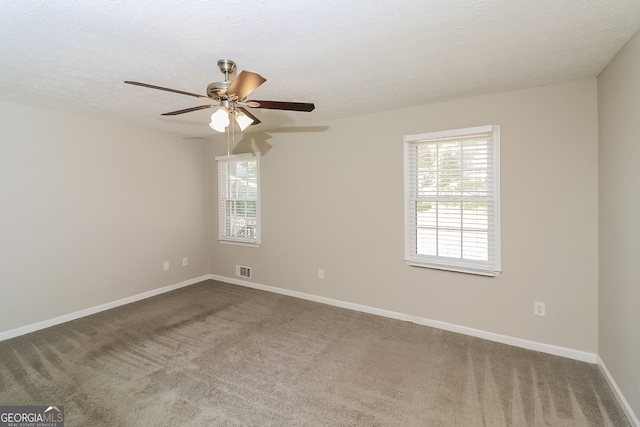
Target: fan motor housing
217, 89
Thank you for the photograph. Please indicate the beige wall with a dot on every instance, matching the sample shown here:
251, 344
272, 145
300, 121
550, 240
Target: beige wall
334, 200
89, 211
619, 155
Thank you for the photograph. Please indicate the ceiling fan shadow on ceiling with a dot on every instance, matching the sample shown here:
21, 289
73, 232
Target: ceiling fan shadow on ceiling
298, 129
230, 98
258, 141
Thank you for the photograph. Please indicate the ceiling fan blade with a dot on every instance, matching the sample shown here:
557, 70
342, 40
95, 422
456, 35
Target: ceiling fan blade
251, 116
244, 84
188, 110
282, 105
168, 90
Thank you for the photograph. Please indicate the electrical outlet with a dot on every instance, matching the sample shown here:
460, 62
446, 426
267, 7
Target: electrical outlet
185, 261
166, 265
320, 273
538, 309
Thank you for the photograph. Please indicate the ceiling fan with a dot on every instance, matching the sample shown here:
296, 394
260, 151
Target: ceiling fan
230, 98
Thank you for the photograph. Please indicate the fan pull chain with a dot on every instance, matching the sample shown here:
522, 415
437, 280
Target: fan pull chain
228, 146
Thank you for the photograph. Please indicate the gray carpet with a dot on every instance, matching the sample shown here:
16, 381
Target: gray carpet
215, 354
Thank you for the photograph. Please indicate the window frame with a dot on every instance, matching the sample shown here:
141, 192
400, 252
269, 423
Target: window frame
490, 267
223, 179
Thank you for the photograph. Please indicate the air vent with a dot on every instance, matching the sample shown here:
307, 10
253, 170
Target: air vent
242, 271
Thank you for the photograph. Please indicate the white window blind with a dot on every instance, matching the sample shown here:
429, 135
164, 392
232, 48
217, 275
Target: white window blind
239, 198
452, 200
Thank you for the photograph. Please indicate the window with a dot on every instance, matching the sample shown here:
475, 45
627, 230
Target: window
239, 198
452, 200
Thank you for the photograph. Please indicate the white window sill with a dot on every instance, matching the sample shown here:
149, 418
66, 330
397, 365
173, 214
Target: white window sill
237, 243
455, 268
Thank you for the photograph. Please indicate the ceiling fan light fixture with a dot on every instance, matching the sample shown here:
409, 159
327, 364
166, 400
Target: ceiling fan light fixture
243, 120
216, 127
220, 119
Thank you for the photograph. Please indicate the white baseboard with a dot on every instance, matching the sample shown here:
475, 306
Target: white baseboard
92, 310
631, 416
504, 339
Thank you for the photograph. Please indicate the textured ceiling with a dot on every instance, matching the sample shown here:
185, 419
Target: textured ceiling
349, 57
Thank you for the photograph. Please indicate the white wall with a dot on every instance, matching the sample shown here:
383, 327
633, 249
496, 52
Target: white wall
89, 210
334, 200
619, 155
